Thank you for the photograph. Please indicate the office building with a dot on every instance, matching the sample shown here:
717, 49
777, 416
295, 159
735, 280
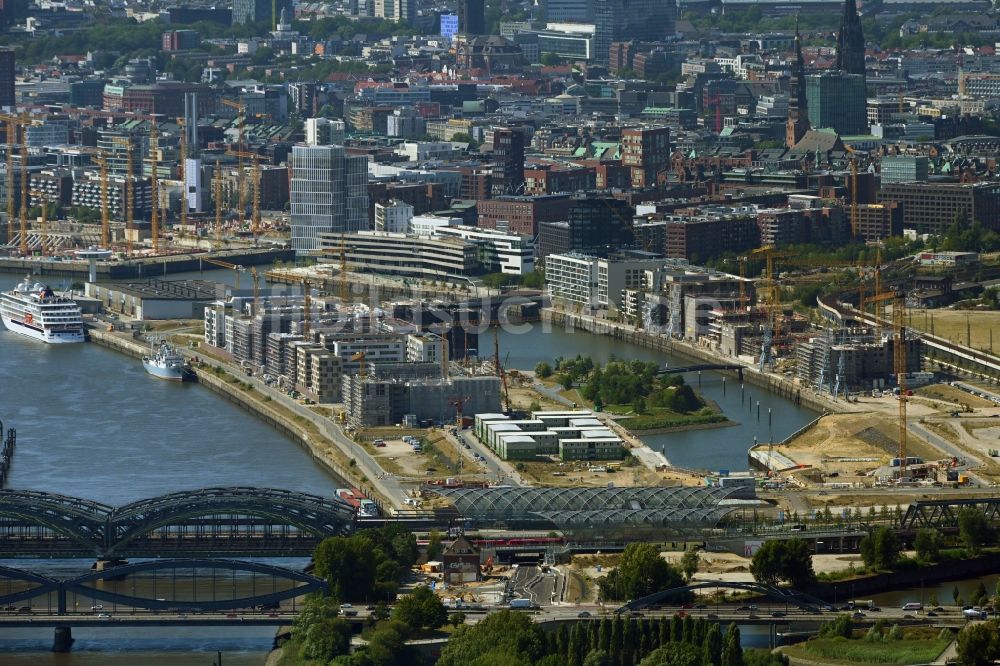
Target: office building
646, 151
393, 216
472, 17
499, 252
839, 101
324, 132
329, 194
904, 168
255, 11
424, 257
586, 281
508, 161
521, 214
930, 208
876, 222
595, 226
619, 20
700, 238
7, 78
400, 11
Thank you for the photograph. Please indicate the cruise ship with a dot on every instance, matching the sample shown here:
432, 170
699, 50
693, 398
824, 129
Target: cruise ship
34, 310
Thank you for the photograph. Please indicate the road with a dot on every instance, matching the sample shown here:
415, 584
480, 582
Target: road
387, 484
468, 445
949, 448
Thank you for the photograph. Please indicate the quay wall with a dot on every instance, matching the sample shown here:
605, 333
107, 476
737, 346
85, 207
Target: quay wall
250, 402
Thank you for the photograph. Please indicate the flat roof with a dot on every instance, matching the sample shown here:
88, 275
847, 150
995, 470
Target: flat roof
167, 290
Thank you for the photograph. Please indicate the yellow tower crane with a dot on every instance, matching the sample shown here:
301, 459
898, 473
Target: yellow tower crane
129, 188
24, 184
102, 162
236, 268
154, 214
255, 176
11, 142
241, 110
854, 193
898, 299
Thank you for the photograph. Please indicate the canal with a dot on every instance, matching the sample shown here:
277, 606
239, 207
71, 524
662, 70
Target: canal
91, 423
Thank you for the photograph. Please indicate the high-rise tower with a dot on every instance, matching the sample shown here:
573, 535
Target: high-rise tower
798, 111
851, 41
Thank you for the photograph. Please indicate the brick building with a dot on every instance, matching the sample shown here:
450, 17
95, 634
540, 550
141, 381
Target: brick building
522, 214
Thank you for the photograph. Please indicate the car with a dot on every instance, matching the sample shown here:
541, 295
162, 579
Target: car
778, 614
583, 614
466, 445
106, 616
230, 614
97, 607
712, 616
931, 614
858, 615
346, 606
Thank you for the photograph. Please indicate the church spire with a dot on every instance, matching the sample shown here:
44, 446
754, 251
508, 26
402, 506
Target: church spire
798, 112
851, 41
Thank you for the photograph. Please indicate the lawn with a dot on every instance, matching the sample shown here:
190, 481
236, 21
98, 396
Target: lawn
917, 647
661, 417
958, 325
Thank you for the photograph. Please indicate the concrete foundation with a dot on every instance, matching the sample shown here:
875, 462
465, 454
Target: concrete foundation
63, 640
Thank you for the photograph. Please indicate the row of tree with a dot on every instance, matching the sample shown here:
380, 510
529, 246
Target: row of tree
512, 639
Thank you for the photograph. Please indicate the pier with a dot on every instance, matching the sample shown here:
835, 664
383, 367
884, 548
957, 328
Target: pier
6, 453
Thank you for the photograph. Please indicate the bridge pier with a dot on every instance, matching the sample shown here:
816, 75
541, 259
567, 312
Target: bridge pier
63, 640
103, 564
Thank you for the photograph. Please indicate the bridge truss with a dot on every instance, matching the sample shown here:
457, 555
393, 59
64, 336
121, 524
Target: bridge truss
770, 592
943, 514
223, 522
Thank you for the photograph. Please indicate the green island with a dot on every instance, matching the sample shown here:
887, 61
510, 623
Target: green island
838, 643
634, 391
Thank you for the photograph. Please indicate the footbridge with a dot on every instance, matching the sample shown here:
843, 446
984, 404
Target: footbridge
678, 370
218, 522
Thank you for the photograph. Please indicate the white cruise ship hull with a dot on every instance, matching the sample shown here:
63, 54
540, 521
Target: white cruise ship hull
42, 335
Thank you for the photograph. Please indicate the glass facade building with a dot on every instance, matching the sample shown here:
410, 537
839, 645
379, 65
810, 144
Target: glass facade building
329, 194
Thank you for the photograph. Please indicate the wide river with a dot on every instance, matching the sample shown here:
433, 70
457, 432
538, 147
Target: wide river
92, 424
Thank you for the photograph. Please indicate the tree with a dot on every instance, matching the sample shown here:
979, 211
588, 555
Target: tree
978, 644
597, 658
504, 633
841, 627
973, 528
673, 654
421, 609
927, 543
880, 549
788, 560
323, 635
711, 649
434, 547
690, 562
732, 652
566, 381
550, 59
641, 571
543, 370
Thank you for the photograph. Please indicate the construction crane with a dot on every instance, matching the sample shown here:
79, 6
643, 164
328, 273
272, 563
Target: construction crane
182, 174
499, 368
459, 404
11, 141
24, 185
154, 214
43, 198
360, 356
255, 175
342, 287
306, 296
102, 162
256, 288
241, 110
126, 141
898, 299
217, 194
854, 193
236, 268
772, 296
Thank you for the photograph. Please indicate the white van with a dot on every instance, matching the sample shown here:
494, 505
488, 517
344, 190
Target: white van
913, 606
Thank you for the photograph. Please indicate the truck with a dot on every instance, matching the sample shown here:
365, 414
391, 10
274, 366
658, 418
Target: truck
522, 604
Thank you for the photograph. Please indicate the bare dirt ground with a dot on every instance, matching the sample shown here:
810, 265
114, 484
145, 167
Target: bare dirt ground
952, 396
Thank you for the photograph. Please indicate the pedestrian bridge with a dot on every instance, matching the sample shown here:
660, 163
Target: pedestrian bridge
221, 522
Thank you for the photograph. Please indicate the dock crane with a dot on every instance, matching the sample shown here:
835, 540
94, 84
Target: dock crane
898, 299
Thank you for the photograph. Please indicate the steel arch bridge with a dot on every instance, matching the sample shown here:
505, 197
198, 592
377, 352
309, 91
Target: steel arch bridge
17, 586
780, 594
232, 521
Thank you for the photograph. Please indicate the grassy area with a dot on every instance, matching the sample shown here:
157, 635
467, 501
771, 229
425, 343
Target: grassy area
959, 325
664, 418
918, 646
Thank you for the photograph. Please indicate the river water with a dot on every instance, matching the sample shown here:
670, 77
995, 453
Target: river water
91, 423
